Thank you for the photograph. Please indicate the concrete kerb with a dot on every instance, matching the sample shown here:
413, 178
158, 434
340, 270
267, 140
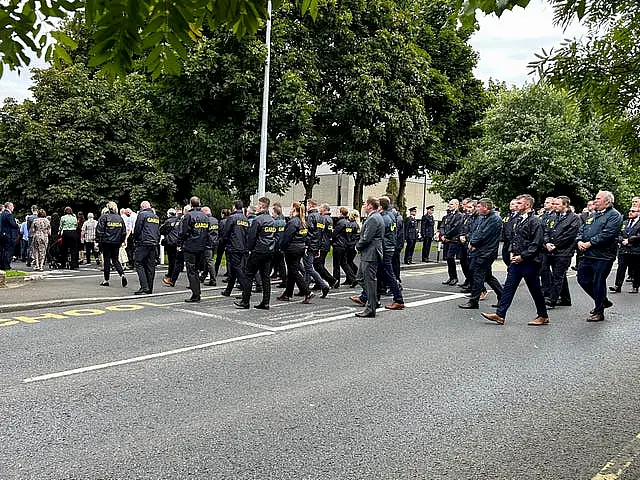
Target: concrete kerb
63, 302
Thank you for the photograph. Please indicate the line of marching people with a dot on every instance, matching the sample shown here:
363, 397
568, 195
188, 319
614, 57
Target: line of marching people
538, 247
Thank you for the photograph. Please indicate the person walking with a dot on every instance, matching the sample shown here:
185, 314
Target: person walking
597, 241
40, 233
370, 248
526, 258
385, 267
410, 235
193, 239
315, 227
212, 245
170, 230
235, 239
449, 235
69, 233
146, 236
110, 234
88, 238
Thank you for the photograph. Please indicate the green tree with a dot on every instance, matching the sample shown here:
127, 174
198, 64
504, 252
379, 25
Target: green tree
81, 142
124, 29
536, 142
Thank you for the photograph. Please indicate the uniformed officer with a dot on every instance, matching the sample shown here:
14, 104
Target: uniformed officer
146, 236
212, 245
261, 241
427, 230
410, 235
235, 239
325, 245
170, 229
315, 228
279, 267
110, 234
385, 267
449, 234
547, 216
339, 242
170, 281
395, 261
194, 236
469, 217
508, 225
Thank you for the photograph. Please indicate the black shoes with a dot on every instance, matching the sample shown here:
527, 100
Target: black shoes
595, 317
451, 281
325, 292
192, 300
225, 293
469, 305
365, 315
104, 284
123, 279
616, 289
307, 298
241, 305
142, 291
211, 283
261, 306
336, 284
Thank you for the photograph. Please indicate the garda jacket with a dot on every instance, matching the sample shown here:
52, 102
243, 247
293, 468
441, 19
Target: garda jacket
147, 228
212, 244
110, 229
528, 238
170, 229
235, 232
389, 239
561, 231
261, 237
194, 231
294, 237
314, 231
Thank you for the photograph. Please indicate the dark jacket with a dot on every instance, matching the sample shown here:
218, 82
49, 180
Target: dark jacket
235, 232
370, 243
389, 240
170, 229
339, 237
633, 235
352, 229
410, 228
561, 231
146, 230
281, 223
399, 231
602, 230
294, 237
222, 231
214, 230
314, 235
508, 226
8, 227
194, 231
485, 239
111, 229
528, 237
451, 227
427, 225
261, 237
327, 232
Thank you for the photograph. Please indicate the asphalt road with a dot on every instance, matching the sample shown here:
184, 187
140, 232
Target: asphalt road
154, 388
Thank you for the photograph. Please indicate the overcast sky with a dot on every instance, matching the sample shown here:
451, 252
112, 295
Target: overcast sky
505, 45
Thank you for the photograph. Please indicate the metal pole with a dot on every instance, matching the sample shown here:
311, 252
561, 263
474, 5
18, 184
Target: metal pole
424, 193
262, 172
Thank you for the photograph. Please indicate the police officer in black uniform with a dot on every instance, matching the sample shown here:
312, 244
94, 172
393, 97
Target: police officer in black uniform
146, 236
170, 229
261, 241
235, 239
395, 262
194, 237
212, 245
508, 226
325, 245
449, 234
427, 230
110, 234
279, 267
410, 235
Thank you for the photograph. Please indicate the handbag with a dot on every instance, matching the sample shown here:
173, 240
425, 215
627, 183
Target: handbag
122, 256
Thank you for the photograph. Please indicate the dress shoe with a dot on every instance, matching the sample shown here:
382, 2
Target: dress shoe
346, 282
192, 300
336, 284
468, 305
325, 292
395, 306
281, 285
495, 305
595, 317
123, 280
365, 315
633, 290
142, 291
307, 298
539, 321
356, 299
211, 283
453, 282
104, 284
354, 284
225, 293
168, 282
283, 298
465, 290
494, 317
615, 289
261, 306
465, 285
446, 282
563, 304
241, 305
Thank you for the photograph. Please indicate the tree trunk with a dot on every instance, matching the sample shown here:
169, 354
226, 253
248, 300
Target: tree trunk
401, 201
309, 181
358, 190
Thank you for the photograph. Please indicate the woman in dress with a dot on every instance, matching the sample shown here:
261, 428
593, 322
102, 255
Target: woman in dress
41, 228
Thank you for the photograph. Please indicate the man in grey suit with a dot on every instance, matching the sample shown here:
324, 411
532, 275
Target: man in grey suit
370, 248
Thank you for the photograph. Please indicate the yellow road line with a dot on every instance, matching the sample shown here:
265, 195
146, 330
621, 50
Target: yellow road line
615, 467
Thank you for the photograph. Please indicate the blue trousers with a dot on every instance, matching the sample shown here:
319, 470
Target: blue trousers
530, 271
592, 277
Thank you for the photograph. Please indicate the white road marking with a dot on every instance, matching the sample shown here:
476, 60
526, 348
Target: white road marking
102, 366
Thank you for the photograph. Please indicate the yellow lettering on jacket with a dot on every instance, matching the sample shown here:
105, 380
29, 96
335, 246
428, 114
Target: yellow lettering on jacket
213, 226
348, 230
321, 225
302, 231
202, 225
281, 229
270, 229
393, 227
114, 224
242, 223
153, 220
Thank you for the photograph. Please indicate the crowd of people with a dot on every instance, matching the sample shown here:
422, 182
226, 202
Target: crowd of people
260, 243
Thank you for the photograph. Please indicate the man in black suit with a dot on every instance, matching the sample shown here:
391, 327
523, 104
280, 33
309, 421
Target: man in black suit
427, 231
8, 236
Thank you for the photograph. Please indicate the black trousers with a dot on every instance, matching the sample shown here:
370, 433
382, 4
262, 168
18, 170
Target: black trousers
621, 271
69, 248
110, 255
88, 250
193, 260
559, 288
506, 256
351, 256
145, 263
294, 275
319, 266
171, 251
545, 275
409, 249
426, 248
481, 274
219, 253
464, 263
395, 263
450, 251
178, 267
235, 266
208, 267
279, 266
340, 261
633, 262
258, 263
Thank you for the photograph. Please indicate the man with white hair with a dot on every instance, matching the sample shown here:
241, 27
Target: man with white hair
146, 236
597, 241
